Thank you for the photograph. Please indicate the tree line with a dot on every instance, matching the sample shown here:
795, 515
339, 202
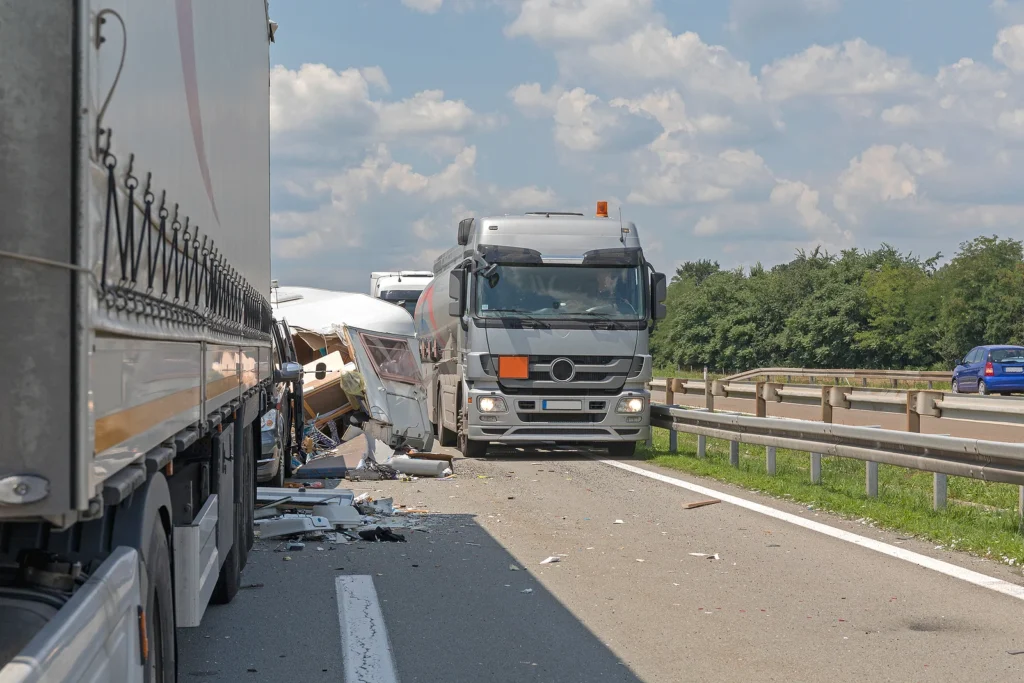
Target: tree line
857, 309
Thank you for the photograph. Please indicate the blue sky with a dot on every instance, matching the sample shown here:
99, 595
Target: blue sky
736, 130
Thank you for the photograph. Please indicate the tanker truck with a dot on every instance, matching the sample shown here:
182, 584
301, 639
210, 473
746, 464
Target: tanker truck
137, 345
534, 330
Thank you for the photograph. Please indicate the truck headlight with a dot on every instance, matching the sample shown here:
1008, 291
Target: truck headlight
491, 404
630, 404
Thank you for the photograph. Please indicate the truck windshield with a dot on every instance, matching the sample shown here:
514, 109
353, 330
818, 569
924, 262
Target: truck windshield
406, 298
546, 291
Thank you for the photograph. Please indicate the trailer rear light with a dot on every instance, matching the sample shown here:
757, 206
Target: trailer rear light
989, 370
514, 367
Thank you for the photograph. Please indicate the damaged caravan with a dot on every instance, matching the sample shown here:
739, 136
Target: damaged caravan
363, 357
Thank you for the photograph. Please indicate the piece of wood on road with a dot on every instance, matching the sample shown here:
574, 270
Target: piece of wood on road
700, 503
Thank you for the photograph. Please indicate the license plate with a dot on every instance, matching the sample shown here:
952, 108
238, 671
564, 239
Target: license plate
1016, 369
562, 405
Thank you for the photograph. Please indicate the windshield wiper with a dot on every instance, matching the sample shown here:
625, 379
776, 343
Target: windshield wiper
521, 316
605, 317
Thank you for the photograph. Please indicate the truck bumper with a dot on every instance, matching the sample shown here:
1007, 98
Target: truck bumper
561, 419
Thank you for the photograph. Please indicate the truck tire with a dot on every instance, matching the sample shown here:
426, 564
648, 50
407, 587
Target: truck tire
621, 449
161, 663
446, 437
470, 449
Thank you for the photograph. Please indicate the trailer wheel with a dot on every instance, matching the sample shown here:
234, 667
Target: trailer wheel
160, 665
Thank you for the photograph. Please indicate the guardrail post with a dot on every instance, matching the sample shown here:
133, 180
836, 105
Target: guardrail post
939, 491
760, 408
702, 446
709, 396
871, 479
1020, 509
769, 457
913, 417
815, 468
734, 453
670, 399
826, 404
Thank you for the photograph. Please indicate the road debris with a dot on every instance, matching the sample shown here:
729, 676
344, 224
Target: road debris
618, 521
526, 590
700, 503
513, 568
551, 560
379, 534
296, 545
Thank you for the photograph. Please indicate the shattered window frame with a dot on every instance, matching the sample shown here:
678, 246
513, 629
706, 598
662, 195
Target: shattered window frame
392, 349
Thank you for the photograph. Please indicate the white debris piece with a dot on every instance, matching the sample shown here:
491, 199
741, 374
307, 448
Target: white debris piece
288, 525
338, 515
551, 560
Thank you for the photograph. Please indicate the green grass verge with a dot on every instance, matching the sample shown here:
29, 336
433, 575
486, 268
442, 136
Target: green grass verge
981, 517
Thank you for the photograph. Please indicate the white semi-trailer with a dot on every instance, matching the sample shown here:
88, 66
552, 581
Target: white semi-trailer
401, 288
535, 330
136, 341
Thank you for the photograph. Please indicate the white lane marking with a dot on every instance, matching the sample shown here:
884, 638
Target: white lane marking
955, 571
366, 647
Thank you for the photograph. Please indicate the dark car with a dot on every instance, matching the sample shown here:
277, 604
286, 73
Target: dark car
284, 418
993, 369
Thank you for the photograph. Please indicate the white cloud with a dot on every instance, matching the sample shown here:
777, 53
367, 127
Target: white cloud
580, 117
585, 20
426, 6
853, 68
799, 197
314, 98
335, 222
885, 173
1009, 48
668, 108
655, 54
1012, 122
676, 174
532, 101
902, 115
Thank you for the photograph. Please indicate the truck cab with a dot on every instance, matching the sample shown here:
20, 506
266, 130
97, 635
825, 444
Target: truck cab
536, 330
401, 288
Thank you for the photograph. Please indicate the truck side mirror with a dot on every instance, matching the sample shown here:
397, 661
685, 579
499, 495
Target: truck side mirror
465, 228
288, 372
658, 293
455, 280
321, 370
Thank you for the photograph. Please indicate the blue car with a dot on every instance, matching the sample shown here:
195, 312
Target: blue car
994, 369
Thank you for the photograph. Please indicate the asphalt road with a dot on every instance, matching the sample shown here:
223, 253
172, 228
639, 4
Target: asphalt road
627, 602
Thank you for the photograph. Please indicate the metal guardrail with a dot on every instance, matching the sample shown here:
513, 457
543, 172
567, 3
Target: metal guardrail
894, 376
992, 461
1004, 409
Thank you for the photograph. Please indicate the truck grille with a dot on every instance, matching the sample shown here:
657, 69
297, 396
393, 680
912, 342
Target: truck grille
552, 418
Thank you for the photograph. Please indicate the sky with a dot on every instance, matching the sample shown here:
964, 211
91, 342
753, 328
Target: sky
739, 131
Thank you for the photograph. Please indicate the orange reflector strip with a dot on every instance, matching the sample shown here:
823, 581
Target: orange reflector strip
143, 636
514, 367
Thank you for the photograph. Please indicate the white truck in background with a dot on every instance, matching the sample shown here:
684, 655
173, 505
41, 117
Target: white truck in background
402, 288
136, 349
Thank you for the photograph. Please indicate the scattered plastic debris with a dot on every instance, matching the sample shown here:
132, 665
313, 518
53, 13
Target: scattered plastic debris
551, 560
296, 545
526, 590
700, 503
513, 568
618, 521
